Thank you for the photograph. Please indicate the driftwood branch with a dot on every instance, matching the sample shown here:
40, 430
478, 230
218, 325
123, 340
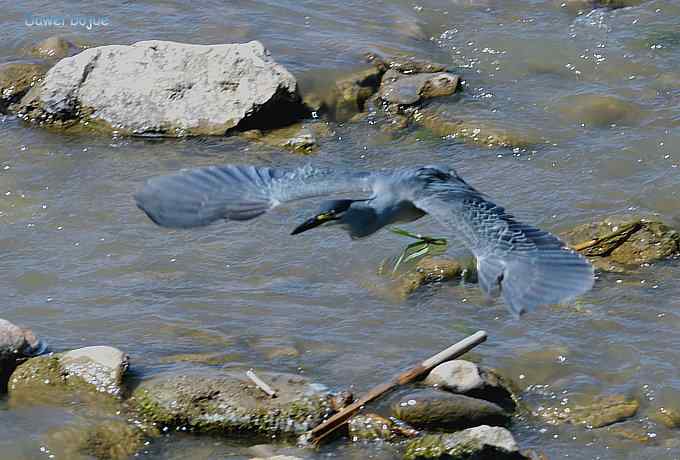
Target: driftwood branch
261, 384
316, 435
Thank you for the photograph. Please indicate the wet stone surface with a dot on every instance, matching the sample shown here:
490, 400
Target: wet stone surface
96, 370
621, 243
227, 403
460, 376
16, 345
435, 409
479, 443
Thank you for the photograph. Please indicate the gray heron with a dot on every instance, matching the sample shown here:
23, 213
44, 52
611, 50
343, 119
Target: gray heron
527, 266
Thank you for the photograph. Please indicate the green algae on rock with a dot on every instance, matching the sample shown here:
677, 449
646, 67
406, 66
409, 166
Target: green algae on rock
601, 411
16, 79
482, 133
478, 443
112, 439
620, 243
222, 403
85, 372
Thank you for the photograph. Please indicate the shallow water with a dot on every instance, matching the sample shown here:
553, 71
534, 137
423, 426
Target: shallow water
82, 266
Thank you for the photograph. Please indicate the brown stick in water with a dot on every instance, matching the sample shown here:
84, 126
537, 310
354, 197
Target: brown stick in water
317, 434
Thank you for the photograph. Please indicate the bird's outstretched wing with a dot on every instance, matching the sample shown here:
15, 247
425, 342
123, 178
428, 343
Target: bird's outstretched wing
198, 197
527, 266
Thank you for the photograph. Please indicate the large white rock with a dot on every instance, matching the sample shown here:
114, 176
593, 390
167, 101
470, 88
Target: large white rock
167, 88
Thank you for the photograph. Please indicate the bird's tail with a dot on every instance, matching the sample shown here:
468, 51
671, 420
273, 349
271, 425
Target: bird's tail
198, 197
547, 274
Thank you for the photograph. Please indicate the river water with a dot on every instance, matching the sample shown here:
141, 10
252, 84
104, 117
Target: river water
82, 266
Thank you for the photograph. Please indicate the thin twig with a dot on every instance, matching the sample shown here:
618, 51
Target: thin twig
261, 384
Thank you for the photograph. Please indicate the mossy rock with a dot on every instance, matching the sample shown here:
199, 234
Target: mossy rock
90, 373
223, 403
431, 270
16, 79
601, 411
621, 243
479, 443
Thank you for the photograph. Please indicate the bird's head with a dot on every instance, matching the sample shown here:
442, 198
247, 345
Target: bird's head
331, 212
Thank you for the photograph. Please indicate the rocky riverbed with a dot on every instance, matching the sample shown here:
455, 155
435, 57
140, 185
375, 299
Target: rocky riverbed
127, 342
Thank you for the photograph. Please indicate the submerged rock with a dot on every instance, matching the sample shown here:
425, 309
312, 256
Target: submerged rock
16, 79
478, 443
441, 410
601, 411
473, 132
620, 243
94, 370
599, 110
153, 88
104, 440
464, 377
579, 5
55, 47
223, 403
16, 346
604, 411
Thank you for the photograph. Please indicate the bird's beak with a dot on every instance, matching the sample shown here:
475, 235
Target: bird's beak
314, 222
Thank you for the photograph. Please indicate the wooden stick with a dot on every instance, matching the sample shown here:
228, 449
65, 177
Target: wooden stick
620, 235
336, 421
261, 384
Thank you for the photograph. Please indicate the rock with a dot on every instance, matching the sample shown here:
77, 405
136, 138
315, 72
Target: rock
599, 110
100, 366
624, 242
604, 411
601, 411
93, 370
668, 417
580, 5
16, 79
401, 89
106, 440
480, 133
299, 137
277, 457
478, 443
350, 93
161, 88
439, 409
16, 346
373, 427
406, 64
223, 403
55, 47
464, 377
340, 400
433, 270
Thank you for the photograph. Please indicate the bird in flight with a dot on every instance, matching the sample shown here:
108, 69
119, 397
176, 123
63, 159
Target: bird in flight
527, 266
